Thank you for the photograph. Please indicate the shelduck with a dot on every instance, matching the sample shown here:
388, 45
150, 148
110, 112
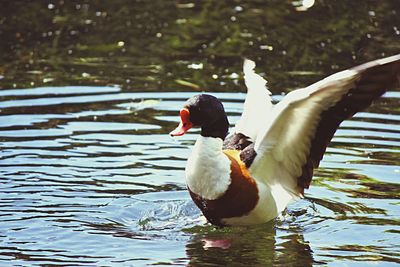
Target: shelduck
251, 175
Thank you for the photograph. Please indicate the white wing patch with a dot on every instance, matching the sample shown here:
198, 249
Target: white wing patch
284, 142
257, 105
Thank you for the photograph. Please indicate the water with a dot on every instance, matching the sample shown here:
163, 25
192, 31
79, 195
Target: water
90, 177
101, 183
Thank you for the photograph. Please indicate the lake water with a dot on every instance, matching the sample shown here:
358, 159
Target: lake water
89, 92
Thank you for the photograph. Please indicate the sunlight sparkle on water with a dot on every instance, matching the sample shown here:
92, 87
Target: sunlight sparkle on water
303, 5
308, 3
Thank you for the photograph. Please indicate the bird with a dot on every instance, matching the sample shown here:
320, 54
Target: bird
250, 176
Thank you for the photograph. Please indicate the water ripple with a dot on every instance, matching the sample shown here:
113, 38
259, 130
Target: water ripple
82, 167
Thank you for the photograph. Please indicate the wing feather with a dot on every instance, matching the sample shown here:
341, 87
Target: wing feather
257, 103
294, 140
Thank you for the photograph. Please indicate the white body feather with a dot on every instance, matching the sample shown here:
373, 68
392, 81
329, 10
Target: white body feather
208, 175
208, 168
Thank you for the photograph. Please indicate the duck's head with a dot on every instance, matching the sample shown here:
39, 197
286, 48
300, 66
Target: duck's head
204, 111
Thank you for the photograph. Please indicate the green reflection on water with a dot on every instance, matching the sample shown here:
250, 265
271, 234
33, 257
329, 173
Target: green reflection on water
193, 46
148, 45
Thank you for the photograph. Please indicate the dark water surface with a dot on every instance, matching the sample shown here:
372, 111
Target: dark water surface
90, 89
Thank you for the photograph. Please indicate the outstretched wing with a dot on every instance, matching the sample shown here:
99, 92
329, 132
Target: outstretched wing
304, 122
258, 102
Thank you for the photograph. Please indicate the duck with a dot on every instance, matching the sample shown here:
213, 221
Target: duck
251, 175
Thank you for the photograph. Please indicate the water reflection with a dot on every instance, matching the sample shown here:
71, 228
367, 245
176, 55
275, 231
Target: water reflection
117, 179
266, 245
90, 177
239, 245
129, 44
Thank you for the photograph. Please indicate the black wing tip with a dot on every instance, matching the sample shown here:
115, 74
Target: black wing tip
392, 60
376, 77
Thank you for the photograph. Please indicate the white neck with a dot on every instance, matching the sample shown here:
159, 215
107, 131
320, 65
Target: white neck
208, 168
